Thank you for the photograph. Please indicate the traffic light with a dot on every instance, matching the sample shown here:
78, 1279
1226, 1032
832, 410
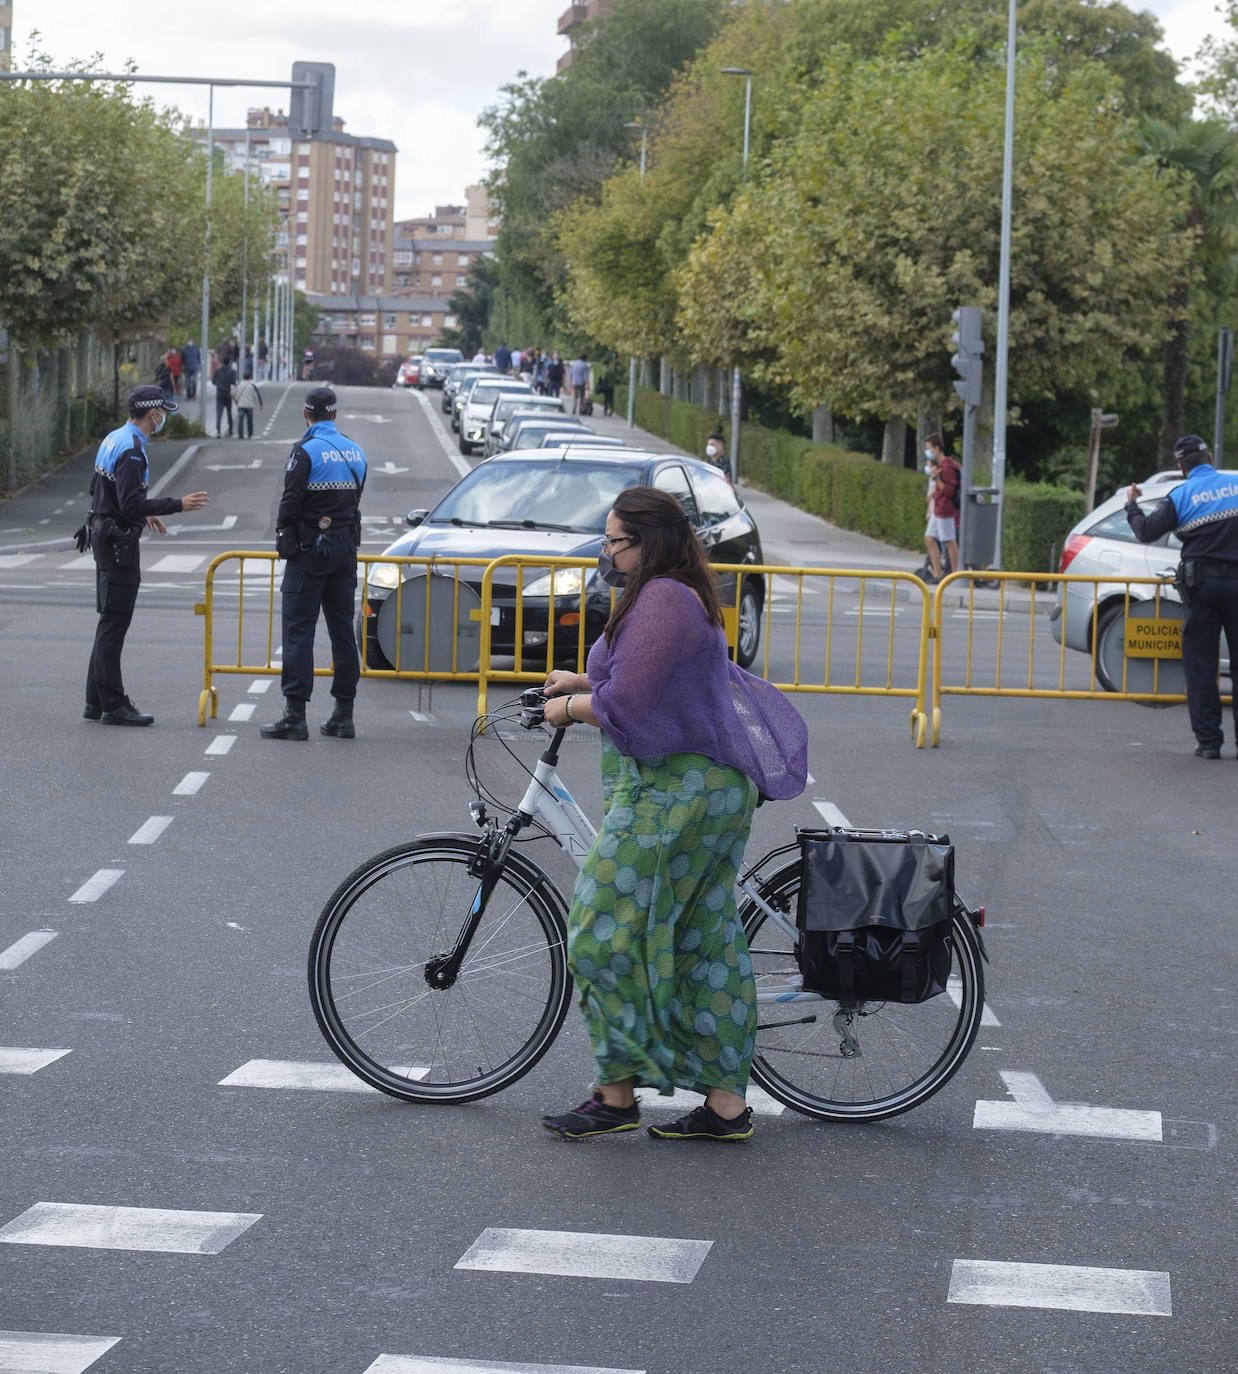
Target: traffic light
310, 111
967, 360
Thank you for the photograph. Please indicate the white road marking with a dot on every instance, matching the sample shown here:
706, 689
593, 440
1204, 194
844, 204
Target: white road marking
78, 564
21, 950
220, 744
1066, 1287
127, 1228
291, 1073
440, 1364
243, 710
49, 1352
260, 685
457, 460
94, 887
15, 1060
422, 716
1034, 1110
761, 1102
831, 814
190, 784
585, 1255
954, 991
17, 560
150, 830
178, 563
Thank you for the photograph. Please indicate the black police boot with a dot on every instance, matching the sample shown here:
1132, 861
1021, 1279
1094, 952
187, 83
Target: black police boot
291, 725
340, 725
125, 714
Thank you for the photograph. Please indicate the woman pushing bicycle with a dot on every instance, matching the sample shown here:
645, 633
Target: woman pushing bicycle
689, 740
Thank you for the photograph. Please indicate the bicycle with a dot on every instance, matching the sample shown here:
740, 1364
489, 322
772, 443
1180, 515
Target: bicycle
438, 969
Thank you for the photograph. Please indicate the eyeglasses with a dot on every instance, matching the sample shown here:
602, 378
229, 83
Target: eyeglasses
608, 543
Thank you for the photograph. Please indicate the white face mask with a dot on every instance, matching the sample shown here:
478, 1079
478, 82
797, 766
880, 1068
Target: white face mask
928, 453
711, 450
161, 421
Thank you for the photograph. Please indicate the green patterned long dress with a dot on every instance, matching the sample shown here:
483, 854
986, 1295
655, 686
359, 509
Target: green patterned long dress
654, 941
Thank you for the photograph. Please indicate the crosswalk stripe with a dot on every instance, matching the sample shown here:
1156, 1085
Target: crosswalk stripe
50, 1352
260, 685
150, 830
87, 560
585, 1254
243, 710
439, 1364
21, 950
1067, 1287
178, 563
95, 886
190, 784
13, 1060
291, 1073
19, 560
127, 1228
831, 814
220, 744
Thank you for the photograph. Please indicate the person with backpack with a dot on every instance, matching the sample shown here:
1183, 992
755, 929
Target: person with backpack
944, 502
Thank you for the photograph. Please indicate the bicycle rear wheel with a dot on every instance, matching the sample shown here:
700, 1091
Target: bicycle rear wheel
370, 989
874, 1061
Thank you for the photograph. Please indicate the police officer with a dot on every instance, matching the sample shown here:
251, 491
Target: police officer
1203, 511
317, 529
119, 510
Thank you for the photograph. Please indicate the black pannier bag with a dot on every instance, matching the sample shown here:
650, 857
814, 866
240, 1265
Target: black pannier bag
874, 914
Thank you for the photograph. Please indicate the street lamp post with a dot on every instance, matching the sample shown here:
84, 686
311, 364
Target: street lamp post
644, 139
1003, 296
736, 384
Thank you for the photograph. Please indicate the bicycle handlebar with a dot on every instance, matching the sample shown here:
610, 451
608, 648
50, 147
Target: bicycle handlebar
533, 704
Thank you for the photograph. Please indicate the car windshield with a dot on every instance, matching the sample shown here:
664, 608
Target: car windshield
483, 393
442, 355
549, 495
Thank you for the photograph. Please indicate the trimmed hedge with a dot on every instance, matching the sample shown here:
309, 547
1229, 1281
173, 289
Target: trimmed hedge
856, 491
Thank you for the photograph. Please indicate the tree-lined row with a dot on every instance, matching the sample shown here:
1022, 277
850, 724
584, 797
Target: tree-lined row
871, 208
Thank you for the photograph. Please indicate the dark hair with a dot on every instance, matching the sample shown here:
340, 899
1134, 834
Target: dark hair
936, 441
669, 548
717, 434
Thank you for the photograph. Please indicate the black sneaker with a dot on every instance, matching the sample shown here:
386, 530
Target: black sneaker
703, 1123
125, 714
594, 1117
1207, 751
92, 712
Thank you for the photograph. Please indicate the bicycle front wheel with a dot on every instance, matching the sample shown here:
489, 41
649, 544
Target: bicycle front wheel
868, 1062
388, 922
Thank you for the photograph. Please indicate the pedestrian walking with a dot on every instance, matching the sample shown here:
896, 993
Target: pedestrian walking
581, 375
175, 367
942, 526
191, 361
224, 380
503, 358
606, 390
119, 511
263, 354
654, 942
245, 395
1203, 512
555, 372
317, 529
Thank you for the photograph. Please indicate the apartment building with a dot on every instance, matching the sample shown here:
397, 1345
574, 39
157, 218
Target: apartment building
431, 255
572, 21
384, 326
6, 35
336, 198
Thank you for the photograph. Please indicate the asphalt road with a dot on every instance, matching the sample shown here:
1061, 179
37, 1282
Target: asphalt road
328, 1224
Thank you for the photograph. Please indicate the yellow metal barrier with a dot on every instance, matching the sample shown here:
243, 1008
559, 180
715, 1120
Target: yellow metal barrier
429, 628
1005, 664
538, 623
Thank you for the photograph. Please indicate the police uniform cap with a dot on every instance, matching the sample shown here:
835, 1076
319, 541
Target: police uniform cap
321, 400
1187, 445
150, 397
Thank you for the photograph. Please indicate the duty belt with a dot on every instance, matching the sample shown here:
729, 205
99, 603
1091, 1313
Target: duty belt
1210, 567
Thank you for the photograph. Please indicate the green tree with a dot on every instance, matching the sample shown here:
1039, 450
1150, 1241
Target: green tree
1203, 156
1219, 58
472, 305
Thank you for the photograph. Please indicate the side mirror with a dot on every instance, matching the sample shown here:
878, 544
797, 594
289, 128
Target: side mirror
415, 517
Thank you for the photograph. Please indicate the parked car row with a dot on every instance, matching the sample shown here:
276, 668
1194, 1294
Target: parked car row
409, 371
435, 365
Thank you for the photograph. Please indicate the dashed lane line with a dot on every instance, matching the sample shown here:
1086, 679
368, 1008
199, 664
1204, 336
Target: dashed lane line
832, 815
439, 1364
1065, 1287
51, 1352
585, 1255
127, 1228
220, 745
95, 886
190, 785
260, 685
243, 710
21, 950
150, 830
312, 1077
17, 1060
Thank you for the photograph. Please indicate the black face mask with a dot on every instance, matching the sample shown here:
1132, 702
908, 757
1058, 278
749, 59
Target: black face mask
609, 573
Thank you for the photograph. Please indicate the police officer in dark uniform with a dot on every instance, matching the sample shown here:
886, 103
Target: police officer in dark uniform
317, 529
1203, 512
119, 510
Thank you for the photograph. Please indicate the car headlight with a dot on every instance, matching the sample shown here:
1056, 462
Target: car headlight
560, 582
386, 575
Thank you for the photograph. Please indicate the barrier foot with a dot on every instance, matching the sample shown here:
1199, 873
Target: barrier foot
936, 736
208, 696
919, 728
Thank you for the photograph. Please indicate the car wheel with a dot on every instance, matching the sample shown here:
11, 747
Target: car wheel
465, 446
749, 637
1110, 647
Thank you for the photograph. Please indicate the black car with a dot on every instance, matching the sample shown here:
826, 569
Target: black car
553, 504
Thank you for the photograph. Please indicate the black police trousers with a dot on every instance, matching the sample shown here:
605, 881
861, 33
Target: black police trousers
116, 594
328, 584
1213, 608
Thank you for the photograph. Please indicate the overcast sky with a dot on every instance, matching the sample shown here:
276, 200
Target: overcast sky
415, 71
